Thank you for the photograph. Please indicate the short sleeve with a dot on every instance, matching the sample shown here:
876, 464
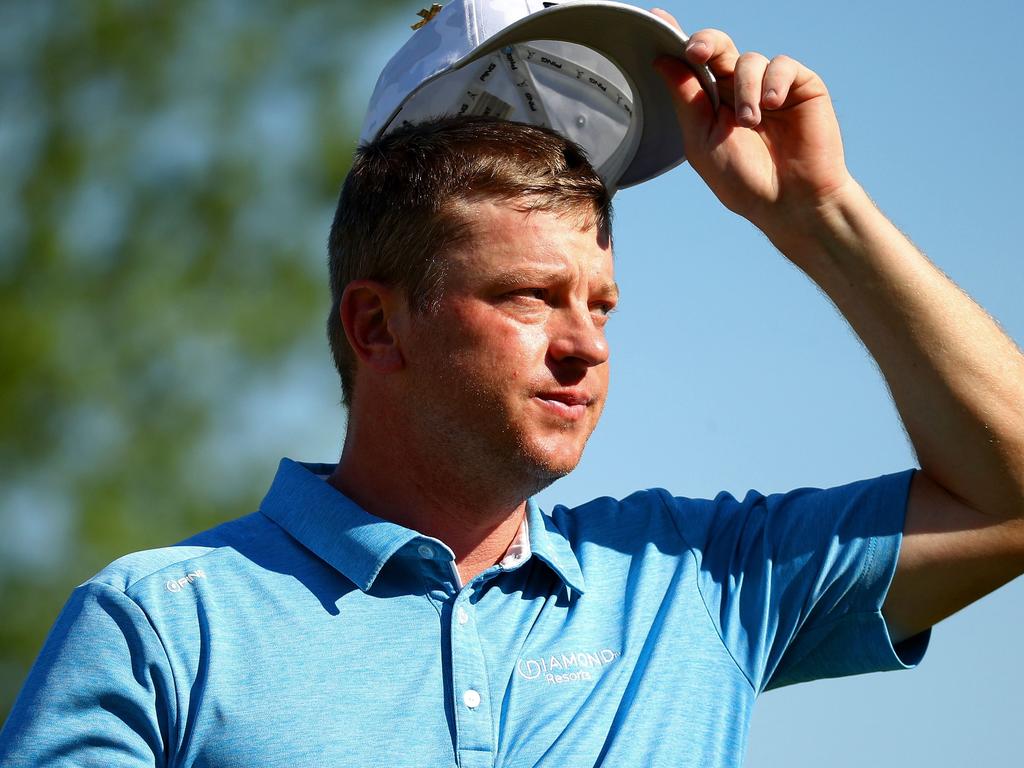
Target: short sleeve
98, 695
795, 582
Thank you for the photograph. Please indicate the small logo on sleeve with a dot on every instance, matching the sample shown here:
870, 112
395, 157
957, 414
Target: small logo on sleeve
176, 585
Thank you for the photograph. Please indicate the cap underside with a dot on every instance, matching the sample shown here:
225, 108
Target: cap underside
563, 86
629, 127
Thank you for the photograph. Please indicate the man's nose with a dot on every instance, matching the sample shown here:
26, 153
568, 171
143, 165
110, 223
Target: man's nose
576, 333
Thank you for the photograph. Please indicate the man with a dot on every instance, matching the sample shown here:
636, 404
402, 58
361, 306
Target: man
410, 606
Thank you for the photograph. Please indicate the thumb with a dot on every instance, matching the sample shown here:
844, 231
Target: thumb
693, 107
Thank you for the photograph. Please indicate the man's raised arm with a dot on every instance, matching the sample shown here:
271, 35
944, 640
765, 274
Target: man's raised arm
773, 154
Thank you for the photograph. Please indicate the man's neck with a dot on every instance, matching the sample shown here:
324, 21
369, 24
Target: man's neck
419, 491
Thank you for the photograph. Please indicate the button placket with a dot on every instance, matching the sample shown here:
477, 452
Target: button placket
474, 732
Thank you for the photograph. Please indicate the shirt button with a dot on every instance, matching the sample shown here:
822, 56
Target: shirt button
462, 616
471, 699
427, 553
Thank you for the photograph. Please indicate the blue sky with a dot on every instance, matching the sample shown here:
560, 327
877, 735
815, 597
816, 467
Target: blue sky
732, 371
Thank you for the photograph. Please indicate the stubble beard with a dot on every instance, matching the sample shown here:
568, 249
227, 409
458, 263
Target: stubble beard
479, 444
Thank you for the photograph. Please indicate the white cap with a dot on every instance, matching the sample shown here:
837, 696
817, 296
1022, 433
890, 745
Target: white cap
581, 67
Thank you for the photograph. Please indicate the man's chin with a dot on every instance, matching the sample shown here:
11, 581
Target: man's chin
546, 465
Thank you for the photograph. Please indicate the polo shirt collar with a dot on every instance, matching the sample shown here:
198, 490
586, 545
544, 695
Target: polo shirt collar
330, 525
358, 544
550, 545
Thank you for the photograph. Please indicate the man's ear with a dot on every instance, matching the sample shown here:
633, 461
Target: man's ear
368, 315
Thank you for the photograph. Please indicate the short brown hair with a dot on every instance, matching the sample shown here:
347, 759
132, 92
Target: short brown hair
400, 206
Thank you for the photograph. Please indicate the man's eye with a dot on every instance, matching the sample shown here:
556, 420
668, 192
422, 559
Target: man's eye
604, 309
530, 293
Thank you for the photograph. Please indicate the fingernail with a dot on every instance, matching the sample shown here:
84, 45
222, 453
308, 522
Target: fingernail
746, 112
696, 45
772, 94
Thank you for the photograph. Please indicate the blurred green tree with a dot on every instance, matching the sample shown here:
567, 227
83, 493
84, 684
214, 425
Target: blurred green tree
168, 174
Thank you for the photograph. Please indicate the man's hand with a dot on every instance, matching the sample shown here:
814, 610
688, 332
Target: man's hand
773, 151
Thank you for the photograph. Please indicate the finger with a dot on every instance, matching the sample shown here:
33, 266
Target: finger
714, 48
693, 107
782, 72
748, 81
666, 17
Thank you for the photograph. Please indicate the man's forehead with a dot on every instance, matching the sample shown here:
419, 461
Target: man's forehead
581, 213
519, 261
547, 234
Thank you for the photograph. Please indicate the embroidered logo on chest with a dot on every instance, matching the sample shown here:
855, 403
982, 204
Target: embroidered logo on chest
566, 667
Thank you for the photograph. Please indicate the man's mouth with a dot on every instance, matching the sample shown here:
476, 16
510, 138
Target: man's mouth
569, 404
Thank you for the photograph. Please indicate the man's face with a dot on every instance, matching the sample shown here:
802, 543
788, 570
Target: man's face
510, 373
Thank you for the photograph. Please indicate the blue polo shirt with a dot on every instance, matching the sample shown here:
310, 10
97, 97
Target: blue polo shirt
634, 632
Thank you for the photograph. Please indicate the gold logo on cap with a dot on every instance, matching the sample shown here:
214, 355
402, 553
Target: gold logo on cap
427, 16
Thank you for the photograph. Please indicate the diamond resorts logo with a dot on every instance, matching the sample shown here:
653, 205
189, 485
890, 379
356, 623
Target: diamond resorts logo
566, 668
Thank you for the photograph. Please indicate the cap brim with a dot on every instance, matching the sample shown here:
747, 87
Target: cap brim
632, 39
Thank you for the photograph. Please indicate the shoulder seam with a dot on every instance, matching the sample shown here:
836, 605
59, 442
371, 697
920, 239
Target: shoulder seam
700, 592
134, 581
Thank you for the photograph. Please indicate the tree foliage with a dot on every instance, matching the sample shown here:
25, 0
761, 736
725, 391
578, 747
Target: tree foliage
169, 170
